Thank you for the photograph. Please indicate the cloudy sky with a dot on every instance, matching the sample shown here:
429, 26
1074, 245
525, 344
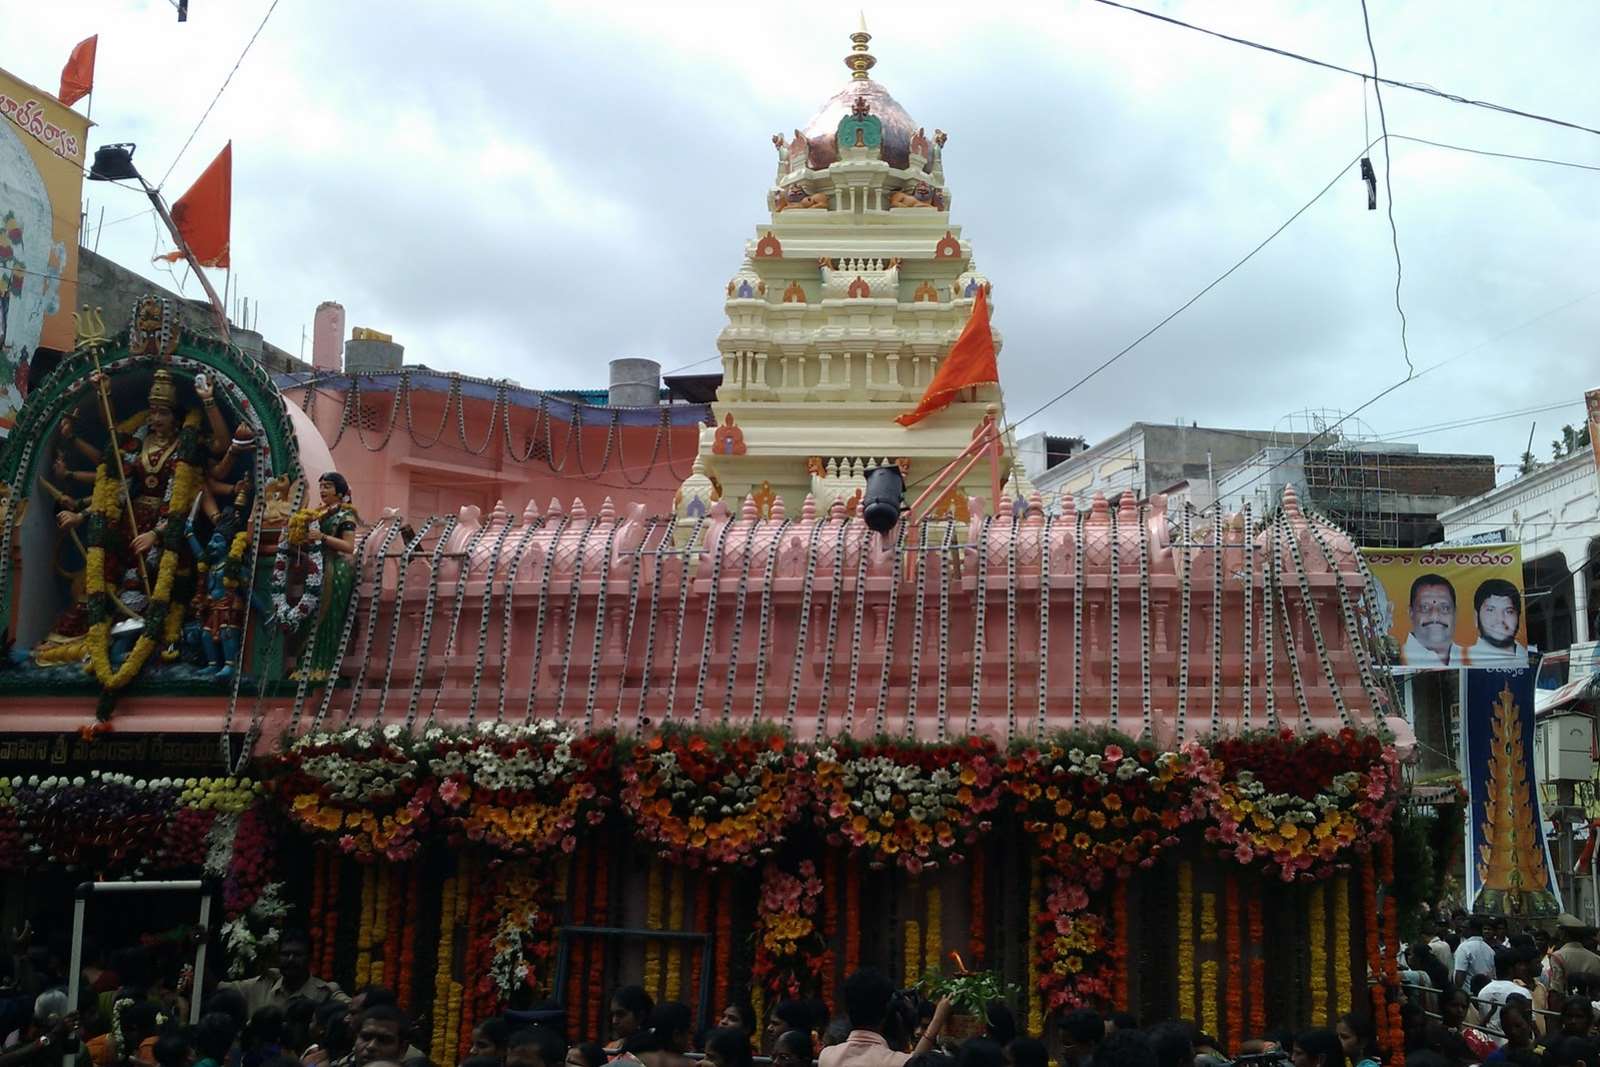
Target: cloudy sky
528, 190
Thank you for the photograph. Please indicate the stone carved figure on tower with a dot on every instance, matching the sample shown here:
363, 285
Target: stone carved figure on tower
919, 195
795, 198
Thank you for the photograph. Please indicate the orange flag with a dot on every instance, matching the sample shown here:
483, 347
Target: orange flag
77, 77
203, 213
970, 362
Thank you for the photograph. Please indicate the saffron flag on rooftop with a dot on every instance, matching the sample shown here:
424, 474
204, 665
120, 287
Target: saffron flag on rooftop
203, 214
77, 77
970, 362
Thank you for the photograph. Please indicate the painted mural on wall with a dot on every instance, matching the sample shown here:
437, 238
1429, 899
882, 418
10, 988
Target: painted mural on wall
1508, 859
42, 149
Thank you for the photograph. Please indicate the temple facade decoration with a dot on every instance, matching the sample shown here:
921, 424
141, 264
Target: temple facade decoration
848, 296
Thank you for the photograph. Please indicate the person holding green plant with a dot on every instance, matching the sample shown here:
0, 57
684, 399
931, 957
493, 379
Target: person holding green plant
867, 997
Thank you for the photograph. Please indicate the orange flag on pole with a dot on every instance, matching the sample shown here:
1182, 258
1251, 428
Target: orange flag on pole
77, 77
203, 214
971, 361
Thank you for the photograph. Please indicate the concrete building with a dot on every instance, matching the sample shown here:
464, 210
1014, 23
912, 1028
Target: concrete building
1147, 458
1554, 512
1387, 494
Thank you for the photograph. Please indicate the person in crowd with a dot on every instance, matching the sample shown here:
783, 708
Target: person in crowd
1081, 1032
980, 1052
1573, 960
131, 1035
738, 1012
630, 1012
1441, 948
490, 1038
1516, 1023
793, 1049
728, 1046
1577, 1018
536, 1046
44, 1039
1318, 1048
174, 1050
1474, 958
999, 1024
1569, 1052
381, 1035
214, 1037
867, 997
332, 1038
1428, 1058
293, 978
1120, 1020
788, 1015
1453, 1012
299, 1016
1027, 1052
1494, 931
1173, 1043
261, 1039
663, 1042
134, 972
1516, 967
1125, 1048
1208, 1051
586, 1054
1359, 1039
837, 1032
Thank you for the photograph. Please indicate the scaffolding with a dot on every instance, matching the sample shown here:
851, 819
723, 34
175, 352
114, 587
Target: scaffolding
1344, 469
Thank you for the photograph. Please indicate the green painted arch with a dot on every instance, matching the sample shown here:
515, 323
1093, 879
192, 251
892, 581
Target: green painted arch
241, 381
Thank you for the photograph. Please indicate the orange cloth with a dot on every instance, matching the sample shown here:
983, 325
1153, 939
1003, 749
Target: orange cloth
971, 362
101, 1051
203, 214
77, 77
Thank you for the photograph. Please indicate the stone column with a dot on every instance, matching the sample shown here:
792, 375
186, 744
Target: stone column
1580, 600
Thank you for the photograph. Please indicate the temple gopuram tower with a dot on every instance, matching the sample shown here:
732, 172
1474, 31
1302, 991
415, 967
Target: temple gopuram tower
850, 295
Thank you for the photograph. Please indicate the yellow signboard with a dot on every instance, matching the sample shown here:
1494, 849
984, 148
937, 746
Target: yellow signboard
1448, 607
42, 152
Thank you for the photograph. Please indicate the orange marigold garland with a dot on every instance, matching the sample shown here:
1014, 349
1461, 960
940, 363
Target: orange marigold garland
724, 949
1235, 960
852, 918
406, 984
977, 889
702, 919
1370, 906
319, 889
599, 915
1391, 933
577, 972
1258, 966
397, 915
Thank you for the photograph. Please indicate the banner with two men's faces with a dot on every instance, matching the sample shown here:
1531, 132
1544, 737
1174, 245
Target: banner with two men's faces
1447, 608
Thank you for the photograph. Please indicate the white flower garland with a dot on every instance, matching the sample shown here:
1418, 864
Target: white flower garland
292, 617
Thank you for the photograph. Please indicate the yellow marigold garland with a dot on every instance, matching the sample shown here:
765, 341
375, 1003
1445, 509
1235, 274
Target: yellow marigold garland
933, 935
1208, 967
674, 977
1342, 944
364, 927
103, 502
1035, 994
380, 921
652, 921
1317, 923
912, 947
439, 1046
1186, 996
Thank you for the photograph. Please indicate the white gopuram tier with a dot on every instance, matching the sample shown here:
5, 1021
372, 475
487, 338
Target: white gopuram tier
839, 316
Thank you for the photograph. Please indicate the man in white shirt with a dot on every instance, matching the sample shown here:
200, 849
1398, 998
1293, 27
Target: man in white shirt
1431, 642
1440, 947
1497, 605
1516, 968
1473, 957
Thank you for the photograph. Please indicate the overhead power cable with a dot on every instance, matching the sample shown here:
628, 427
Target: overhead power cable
223, 88
1415, 87
1388, 190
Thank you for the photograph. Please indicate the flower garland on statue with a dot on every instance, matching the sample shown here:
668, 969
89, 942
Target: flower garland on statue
912, 805
524, 789
1294, 803
105, 502
292, 617
792, 959
717, 799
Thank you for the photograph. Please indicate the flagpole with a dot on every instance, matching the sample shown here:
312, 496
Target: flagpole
183, 246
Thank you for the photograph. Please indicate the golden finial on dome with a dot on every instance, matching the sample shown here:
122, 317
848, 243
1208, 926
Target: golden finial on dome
860, 60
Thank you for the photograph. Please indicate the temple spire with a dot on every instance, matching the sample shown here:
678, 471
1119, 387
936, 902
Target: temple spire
860, 60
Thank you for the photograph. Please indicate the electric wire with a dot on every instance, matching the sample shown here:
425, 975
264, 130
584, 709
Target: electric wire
1388, 188
207, 114
1416, 87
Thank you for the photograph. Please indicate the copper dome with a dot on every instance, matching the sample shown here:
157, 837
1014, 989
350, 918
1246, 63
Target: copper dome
821, 132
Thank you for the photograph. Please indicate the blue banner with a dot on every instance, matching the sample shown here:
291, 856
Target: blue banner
1508, 858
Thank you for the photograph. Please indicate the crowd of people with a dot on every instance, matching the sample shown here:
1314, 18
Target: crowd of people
1471, 994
